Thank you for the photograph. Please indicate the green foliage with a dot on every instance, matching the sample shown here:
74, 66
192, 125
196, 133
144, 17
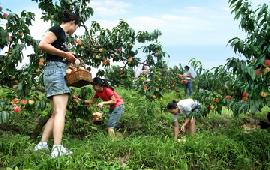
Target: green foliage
5, 106
15, 35
120, 76
100, 46
252, 71
158, 80
52, 11
239, 76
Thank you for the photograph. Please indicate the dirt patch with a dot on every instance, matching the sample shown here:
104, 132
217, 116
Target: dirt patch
124, 159
251, 124
248, 127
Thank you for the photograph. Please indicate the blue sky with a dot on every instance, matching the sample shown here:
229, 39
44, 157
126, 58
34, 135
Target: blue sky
190, 28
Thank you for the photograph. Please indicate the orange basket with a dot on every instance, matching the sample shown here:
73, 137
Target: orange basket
79, 78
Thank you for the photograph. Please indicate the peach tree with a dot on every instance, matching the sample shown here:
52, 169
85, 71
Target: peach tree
100, 46
96, 47
253, 70
243, 83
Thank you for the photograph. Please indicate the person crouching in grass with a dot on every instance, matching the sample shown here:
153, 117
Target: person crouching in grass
109, 97
187, 108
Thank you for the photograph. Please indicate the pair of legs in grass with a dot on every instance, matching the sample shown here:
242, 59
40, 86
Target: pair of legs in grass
114, 117
55, 125
190, 128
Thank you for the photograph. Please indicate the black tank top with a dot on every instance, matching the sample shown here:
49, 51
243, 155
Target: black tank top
60, 43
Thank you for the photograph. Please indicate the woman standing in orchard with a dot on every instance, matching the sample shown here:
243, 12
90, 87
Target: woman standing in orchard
57, 56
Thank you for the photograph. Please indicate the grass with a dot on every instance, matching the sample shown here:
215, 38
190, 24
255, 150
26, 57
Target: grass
217, 148
144, 142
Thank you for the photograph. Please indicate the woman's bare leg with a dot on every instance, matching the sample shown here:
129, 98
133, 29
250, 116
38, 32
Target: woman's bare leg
59, 103
48, 126
111, 132
191, 128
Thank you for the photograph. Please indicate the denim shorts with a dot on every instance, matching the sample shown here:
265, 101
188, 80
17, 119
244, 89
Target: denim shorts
115, 115
54, 78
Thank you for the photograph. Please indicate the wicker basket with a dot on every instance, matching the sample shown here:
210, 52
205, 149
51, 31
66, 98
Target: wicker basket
97, 117
79, 78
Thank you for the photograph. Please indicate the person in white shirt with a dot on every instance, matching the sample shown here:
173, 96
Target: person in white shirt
186, 108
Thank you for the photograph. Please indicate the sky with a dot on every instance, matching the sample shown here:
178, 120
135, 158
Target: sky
190, 28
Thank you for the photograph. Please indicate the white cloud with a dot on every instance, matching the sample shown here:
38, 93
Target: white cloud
194, 10
196, 26
110, 7
145, 23
170, 17
39, 27
191, 25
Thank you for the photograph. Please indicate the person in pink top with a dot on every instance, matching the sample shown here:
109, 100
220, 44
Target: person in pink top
109, 97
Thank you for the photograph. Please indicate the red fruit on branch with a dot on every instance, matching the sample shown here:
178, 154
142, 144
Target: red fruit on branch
245, 94
15, 101
23, 101
228, 97
16, 109
258, 72
267, 63
5, 15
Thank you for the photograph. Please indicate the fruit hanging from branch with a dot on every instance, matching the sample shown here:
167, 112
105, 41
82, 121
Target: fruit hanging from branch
267, 63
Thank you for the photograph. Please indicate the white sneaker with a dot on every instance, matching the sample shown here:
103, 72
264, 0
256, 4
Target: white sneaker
41, 146
60, 150
183, 139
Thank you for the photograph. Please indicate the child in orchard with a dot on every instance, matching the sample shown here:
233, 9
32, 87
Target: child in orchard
186, 108
111, 98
